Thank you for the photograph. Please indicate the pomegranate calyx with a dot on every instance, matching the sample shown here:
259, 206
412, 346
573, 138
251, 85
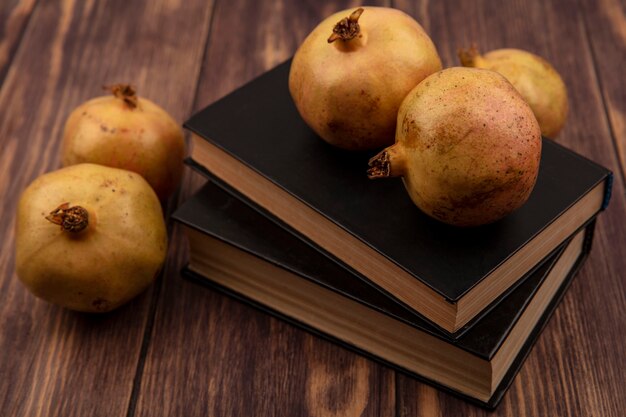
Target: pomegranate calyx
124, 92
71, 219
469, 56
379, 166
390, 162
347, 28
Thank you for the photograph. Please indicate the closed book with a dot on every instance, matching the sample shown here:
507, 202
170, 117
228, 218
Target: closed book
238, 251
254, 142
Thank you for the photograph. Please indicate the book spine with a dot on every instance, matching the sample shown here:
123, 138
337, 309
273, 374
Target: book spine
608, 190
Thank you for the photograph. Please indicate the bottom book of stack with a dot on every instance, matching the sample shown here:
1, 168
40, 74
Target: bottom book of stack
242, 253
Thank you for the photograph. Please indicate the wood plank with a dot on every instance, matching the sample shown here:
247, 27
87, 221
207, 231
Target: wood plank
212, 355
55, 362
577, 366
605, 24
14, 15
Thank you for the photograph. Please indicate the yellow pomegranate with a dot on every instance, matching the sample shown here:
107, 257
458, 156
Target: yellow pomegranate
467, 146
125, 131
351, 73
89, 237
535, 79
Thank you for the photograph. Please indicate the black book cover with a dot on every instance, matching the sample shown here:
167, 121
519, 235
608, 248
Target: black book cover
221, 216
259, 125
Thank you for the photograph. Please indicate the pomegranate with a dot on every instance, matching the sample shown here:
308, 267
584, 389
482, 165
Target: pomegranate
351, 73
89, 237
535, 79
467, 146
125, 131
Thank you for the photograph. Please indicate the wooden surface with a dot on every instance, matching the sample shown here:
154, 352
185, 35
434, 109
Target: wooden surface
179, 349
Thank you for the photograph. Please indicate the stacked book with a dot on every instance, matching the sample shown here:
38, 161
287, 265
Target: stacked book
294, 227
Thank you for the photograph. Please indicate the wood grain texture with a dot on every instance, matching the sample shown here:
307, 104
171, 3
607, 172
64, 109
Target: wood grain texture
212, 355
180, 349
241, 361
605, 23
575, 368
55, 362
14, 15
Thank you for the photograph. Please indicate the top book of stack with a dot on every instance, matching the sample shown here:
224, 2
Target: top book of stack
254, 143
